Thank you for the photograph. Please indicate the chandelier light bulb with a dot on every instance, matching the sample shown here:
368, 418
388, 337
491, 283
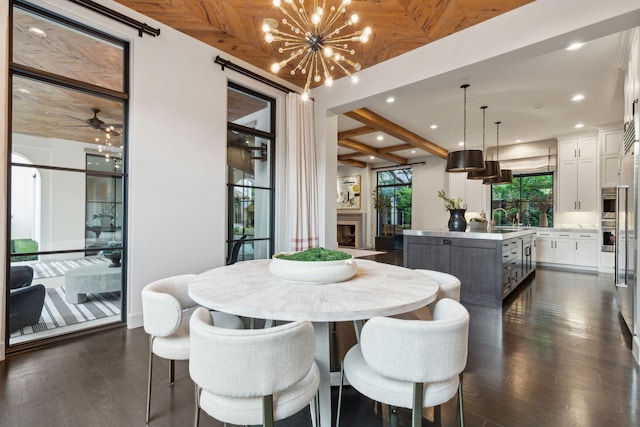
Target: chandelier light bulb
304, 34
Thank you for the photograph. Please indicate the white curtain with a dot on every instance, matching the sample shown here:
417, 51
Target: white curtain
301, 176
528, 157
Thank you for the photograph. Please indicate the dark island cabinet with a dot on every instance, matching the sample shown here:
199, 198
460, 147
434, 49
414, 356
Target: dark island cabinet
488, 269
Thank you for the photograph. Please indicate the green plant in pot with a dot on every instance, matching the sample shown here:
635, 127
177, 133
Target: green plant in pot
457, 222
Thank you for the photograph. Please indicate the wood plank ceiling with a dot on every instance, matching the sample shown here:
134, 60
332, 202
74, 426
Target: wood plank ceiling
398, 26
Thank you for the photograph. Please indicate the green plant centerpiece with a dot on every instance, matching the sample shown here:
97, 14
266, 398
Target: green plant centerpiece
313, 266
316, 254
457, 222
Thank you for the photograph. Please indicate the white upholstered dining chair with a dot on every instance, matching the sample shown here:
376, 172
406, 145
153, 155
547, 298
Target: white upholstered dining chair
411, 363
166, 309
449, 284
253, 376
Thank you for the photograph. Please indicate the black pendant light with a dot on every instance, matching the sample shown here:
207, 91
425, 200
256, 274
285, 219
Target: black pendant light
491, 168
506, 175
465, 160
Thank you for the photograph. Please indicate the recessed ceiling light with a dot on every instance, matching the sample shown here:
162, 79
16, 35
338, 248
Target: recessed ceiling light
380, 137
372, 157
434, 126
577, 97
579, 125
461, 143
37, 31
575, 46
413, 151
518, 140
390, 100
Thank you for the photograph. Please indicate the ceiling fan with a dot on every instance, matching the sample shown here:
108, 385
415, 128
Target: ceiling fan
98, 124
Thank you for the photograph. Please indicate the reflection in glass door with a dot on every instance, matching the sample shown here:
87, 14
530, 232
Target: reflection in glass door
67, 174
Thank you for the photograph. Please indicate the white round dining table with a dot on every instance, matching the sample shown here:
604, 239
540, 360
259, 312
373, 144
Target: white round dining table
247, 288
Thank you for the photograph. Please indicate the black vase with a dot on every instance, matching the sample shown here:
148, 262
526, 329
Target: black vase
456, 220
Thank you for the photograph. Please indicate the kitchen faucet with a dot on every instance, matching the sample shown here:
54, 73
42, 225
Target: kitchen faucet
493, 214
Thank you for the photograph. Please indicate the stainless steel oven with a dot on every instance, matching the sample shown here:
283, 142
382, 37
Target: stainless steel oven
608, 219
609, 202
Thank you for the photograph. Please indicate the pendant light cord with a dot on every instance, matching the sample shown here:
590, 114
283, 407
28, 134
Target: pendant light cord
498, 141
464, 134
484, 112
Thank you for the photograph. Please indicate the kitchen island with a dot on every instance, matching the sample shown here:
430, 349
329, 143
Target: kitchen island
490, 264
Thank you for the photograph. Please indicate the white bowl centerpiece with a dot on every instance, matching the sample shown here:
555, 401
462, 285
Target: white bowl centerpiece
316, 265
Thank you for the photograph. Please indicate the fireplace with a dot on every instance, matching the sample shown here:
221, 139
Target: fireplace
349, 231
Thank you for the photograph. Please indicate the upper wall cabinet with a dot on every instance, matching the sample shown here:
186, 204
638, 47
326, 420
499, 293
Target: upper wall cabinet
581, 147
577, 174
610, 140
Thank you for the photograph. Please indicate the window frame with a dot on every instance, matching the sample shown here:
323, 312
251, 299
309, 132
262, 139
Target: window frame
271, 137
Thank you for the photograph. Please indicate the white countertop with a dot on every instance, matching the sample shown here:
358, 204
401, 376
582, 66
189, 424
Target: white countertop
497, 234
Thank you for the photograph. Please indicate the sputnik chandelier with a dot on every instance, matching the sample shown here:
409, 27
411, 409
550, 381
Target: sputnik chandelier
315, 42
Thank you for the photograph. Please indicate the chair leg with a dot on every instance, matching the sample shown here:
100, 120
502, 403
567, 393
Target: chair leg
418, 398
460, 402
149, 378
196, 418
340, 394
267, 410
314, 410
172, 375
393, 416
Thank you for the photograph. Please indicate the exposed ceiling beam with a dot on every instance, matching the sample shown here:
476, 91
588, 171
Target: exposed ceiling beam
358, 146
376, 121
349, 155
352, 162
355, 132
395, 148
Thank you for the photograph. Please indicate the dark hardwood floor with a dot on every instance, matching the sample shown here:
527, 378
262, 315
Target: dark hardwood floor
556, 354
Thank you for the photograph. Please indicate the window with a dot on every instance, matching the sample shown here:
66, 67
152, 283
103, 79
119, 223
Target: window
394, 193
69, 99
526, 200
250, 177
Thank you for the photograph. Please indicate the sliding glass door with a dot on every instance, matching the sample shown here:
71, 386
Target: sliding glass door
66, 236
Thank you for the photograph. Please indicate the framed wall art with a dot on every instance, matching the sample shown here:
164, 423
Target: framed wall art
349, 192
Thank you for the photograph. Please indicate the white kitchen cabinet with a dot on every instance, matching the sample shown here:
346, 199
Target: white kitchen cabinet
544, 246
609, 170
610, 140
578, 147
586, 249
567, 248
577, 174
564, 248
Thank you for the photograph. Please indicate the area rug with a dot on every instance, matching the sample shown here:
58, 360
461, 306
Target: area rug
43, 270
57, 312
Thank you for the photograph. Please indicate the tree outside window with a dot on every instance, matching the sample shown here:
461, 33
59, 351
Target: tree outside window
527, 199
